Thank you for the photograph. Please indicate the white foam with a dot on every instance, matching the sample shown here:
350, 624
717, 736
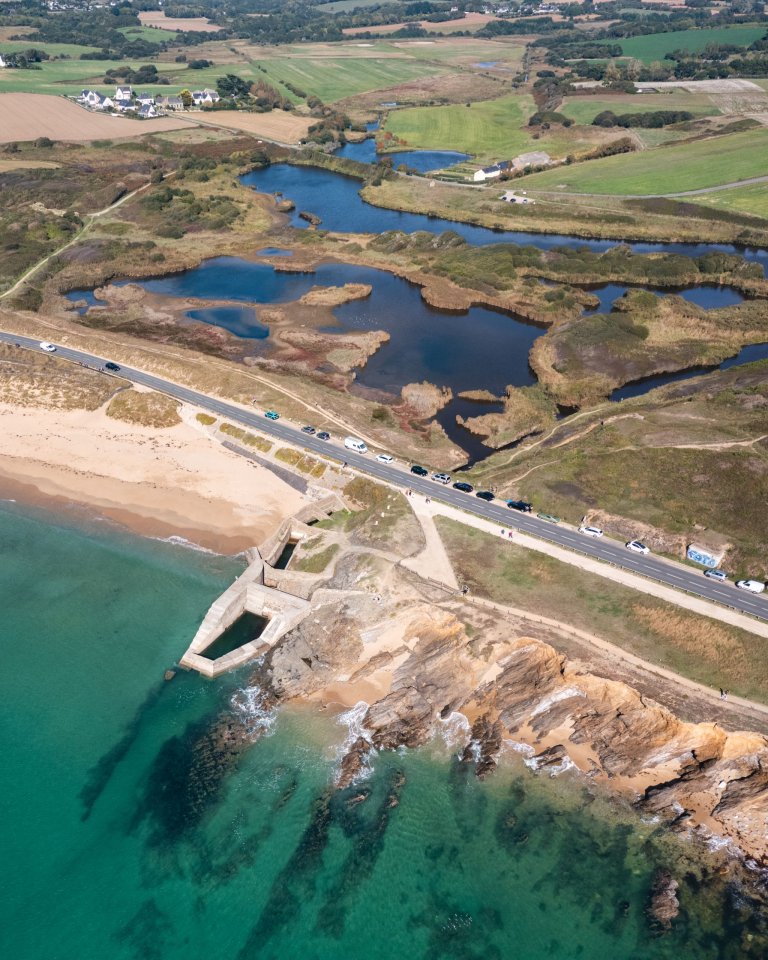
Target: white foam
247, 705
454, 730
353, 720
183, 542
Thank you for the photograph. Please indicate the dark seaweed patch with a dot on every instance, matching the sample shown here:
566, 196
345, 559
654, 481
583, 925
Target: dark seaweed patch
100, 774
145, 933
295, 885
358, 867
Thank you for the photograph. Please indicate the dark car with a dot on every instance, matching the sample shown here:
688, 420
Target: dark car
323, 436
419, 471
520, 505
111, 366
464, 487
309, 430
485, 495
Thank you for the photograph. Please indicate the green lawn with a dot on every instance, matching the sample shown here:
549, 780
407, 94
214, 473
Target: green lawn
656, 46
750, 199
584, 110
485, 129
690, 166
346, 6
333, 79
151, 34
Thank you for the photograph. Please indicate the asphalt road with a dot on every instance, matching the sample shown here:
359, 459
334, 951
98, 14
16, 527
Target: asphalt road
672, 574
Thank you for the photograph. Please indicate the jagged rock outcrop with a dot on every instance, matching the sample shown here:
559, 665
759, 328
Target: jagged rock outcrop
353, 762
485, 740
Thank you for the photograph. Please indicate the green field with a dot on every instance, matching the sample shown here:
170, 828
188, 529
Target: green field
750, 199
346, 6
52, 49
70, 76
491, 128
151, 34
584, 110
690, 166
333, 79
658, 45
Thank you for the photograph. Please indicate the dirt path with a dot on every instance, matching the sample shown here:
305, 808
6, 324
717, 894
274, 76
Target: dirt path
432, 562
92, 217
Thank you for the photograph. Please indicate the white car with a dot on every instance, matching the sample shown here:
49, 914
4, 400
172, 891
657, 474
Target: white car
591, 531
384, 458
754, 586
636, 547
48, 347
441, 477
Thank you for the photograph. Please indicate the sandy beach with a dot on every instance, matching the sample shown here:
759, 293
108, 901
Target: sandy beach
170, 482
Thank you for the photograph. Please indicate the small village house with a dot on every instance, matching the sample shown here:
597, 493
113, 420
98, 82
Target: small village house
123, 94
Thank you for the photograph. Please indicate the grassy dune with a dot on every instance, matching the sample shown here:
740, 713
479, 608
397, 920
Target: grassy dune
690, 166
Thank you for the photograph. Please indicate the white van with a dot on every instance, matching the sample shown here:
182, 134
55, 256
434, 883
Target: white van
352, 443
754, 586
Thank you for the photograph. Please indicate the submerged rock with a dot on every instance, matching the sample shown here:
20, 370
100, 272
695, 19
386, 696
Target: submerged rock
664, 905
353, 762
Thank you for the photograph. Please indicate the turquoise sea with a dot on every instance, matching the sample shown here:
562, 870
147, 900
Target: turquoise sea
132, 828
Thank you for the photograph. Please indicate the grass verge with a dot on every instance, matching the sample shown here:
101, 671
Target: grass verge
692, 645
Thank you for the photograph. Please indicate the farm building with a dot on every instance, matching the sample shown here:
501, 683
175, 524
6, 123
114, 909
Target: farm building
488, 173
534, 159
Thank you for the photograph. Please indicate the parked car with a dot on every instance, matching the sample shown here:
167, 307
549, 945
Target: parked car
419, 471
441, 477
485, 495
271, 415
548, 517
111, 366
384, 458
753, 586
464, 487
719, 575
591, 531
310, 430
48, 347
520, 505
352, 443
323, 435
636, 547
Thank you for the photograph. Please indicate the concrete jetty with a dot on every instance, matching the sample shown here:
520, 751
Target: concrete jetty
281, 597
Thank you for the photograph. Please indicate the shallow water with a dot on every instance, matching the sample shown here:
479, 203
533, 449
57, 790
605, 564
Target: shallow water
421, 160
128, 834
748, 354
335, 199
479, 349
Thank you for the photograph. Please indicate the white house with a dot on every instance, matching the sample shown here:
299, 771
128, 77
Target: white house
201, 97
145, 99
2, 61
146, 111
122, 94
488, 173
105, 103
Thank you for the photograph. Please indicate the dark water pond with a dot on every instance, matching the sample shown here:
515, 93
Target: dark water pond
240, 320
749, 354
707, 296
274, 252
421, 160
335, 199
479, 349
